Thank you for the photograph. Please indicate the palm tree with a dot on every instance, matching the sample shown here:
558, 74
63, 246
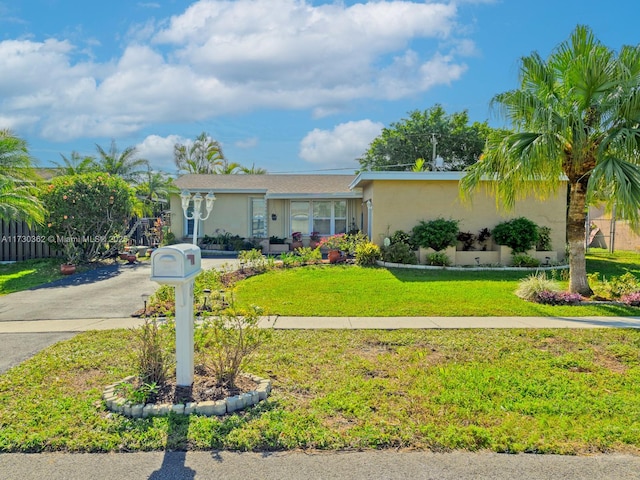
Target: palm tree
17, 181
76, 164
155, 189
576, 115
229, 168
124, 164
204, 155
253, 170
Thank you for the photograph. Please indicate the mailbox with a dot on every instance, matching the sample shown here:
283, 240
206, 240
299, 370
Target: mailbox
175, 264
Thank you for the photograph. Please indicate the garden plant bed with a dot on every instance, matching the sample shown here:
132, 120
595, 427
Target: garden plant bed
205, 397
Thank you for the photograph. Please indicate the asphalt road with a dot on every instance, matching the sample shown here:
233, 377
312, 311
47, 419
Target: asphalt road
370, 465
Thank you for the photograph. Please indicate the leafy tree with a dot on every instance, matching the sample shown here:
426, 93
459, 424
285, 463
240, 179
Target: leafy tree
204, 155
576, 115
17, 181
124, 164
76, 164
86, 213
405, 145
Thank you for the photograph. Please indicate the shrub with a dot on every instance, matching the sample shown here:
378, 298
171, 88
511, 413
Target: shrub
468, 239
547, 297
437, 234
544, 239
225, 342
367, 253
253, 259
152, 355
86, 213
399, 253
438, 258
289, 259
309, 255
529, 288
520, 234
614, 288
631, 299
402, 237
353, 240
524, 260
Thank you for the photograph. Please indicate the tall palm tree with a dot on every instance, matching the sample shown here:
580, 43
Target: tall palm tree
76, 164
575, 115
17, 181
203, 156
124, 164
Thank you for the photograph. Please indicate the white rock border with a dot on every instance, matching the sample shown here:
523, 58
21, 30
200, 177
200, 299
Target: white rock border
119, 405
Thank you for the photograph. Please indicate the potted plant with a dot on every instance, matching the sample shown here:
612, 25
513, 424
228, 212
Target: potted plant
296, 240
334, 244
314, 239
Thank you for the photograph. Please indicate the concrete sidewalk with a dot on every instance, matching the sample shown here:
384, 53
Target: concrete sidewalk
349, 323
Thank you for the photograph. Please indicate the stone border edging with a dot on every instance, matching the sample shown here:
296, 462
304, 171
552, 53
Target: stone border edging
467, 269
120, 405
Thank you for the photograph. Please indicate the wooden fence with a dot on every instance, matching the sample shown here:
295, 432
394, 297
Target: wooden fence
19, 242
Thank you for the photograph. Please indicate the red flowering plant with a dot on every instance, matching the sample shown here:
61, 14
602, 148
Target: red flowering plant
334, 242
296, 236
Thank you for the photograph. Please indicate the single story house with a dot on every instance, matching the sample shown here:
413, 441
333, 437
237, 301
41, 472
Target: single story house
377, 203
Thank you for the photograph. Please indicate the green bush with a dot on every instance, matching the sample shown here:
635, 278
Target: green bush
524, 260
438, 258
224, 343
353, 240
399, 253
437, 234
367, 253
615, 287
520, 234
544, 239
86, 213
153, 359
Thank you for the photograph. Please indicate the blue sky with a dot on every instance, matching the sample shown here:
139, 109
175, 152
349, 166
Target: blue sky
292, 86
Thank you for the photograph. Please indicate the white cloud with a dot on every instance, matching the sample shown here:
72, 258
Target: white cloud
159, 151
221, 57
340, 147
247, 143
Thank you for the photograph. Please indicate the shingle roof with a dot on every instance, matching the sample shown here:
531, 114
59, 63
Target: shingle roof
272, 186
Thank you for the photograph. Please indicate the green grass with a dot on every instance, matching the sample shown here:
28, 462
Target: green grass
546, 391
15, 277
329, 290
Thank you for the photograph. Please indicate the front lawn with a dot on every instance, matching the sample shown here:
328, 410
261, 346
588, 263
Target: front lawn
18, 276
342, 291
544, 391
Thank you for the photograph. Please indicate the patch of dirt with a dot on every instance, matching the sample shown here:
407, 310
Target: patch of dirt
205, 388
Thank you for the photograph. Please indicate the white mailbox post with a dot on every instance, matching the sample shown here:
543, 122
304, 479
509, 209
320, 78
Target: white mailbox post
178, 265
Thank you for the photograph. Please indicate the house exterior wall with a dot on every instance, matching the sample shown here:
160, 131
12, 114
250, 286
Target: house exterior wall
401, 204
232, 213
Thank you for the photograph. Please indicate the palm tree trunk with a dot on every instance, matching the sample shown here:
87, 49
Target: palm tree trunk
576, 231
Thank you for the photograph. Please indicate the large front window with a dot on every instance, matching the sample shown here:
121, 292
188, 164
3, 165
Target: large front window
327, 217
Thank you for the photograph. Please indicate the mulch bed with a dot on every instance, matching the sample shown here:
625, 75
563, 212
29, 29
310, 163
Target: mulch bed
205, 388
